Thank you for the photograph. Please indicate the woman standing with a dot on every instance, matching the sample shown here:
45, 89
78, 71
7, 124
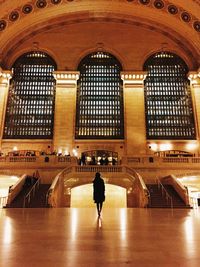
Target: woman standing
99, 192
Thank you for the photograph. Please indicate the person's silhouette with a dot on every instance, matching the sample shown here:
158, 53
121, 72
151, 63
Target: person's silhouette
99, 192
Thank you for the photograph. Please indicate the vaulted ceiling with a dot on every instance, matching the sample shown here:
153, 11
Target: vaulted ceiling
130, 29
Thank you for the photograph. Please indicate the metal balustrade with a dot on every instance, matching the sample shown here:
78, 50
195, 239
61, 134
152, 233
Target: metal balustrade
31, 193
165, 193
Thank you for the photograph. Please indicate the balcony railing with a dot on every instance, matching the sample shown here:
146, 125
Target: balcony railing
139, 161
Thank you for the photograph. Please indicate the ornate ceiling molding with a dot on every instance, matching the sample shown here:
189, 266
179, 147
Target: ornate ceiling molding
159, 5
54, 24
197, 2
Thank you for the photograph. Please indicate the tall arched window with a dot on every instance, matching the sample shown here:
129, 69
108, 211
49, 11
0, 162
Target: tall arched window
99, 98
168, 103
30, 107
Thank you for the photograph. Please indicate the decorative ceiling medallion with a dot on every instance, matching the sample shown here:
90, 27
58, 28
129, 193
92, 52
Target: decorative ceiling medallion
27, 9
172, 9
185, 16
55, 2
14, 15
41, 3
196, 26
144, 2
2, 25
158, 4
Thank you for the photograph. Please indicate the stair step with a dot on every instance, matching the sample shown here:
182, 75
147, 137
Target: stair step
160, 201
39, 200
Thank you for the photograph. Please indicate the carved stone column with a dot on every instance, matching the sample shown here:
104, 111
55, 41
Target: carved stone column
5, 76
134, 112
65, 110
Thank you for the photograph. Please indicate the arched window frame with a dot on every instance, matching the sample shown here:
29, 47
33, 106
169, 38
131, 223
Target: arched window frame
31, 98
99, 107
168, 101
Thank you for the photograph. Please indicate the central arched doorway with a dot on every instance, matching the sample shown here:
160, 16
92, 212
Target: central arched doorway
82, 196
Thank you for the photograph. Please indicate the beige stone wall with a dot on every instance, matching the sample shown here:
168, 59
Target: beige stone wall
4, 86
134, 117
8, 145
135, 142
195, 88
130, 30
65, 111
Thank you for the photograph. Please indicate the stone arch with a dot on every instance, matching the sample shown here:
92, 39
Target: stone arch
108, 50
44, 20
27, 50
82, 196
70, 180
180, 55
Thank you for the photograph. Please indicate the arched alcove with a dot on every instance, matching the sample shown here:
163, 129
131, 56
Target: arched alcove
82, 196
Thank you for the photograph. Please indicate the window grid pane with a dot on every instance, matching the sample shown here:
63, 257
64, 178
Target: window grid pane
30, 107
168, 103
99, 98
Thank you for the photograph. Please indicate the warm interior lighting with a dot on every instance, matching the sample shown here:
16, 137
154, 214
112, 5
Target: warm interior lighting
153, 147
164, 147
193, 184
191, 146
5, 182
66, 152
75, 153
82, 196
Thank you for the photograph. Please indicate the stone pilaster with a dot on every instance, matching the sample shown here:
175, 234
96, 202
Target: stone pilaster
134, 111
65, 110
194, 77
5, 76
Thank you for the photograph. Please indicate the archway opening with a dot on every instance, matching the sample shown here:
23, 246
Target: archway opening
82, 196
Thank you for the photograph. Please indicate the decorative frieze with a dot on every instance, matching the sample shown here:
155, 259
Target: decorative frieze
194, 77
66, 77
135, 78
160, 5
5, 76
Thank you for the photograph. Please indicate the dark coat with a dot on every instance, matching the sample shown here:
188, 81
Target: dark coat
99, 190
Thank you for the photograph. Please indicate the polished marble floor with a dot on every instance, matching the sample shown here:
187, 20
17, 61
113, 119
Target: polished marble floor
69, 237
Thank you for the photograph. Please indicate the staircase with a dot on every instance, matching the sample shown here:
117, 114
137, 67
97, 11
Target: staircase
18, 202
39, 199
177, 201
157, 199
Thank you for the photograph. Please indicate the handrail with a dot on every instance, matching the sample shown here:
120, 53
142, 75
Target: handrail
28, 195
3, 201
180, 189
16, 188
54, 184
164, 191
51, 197
141, 183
